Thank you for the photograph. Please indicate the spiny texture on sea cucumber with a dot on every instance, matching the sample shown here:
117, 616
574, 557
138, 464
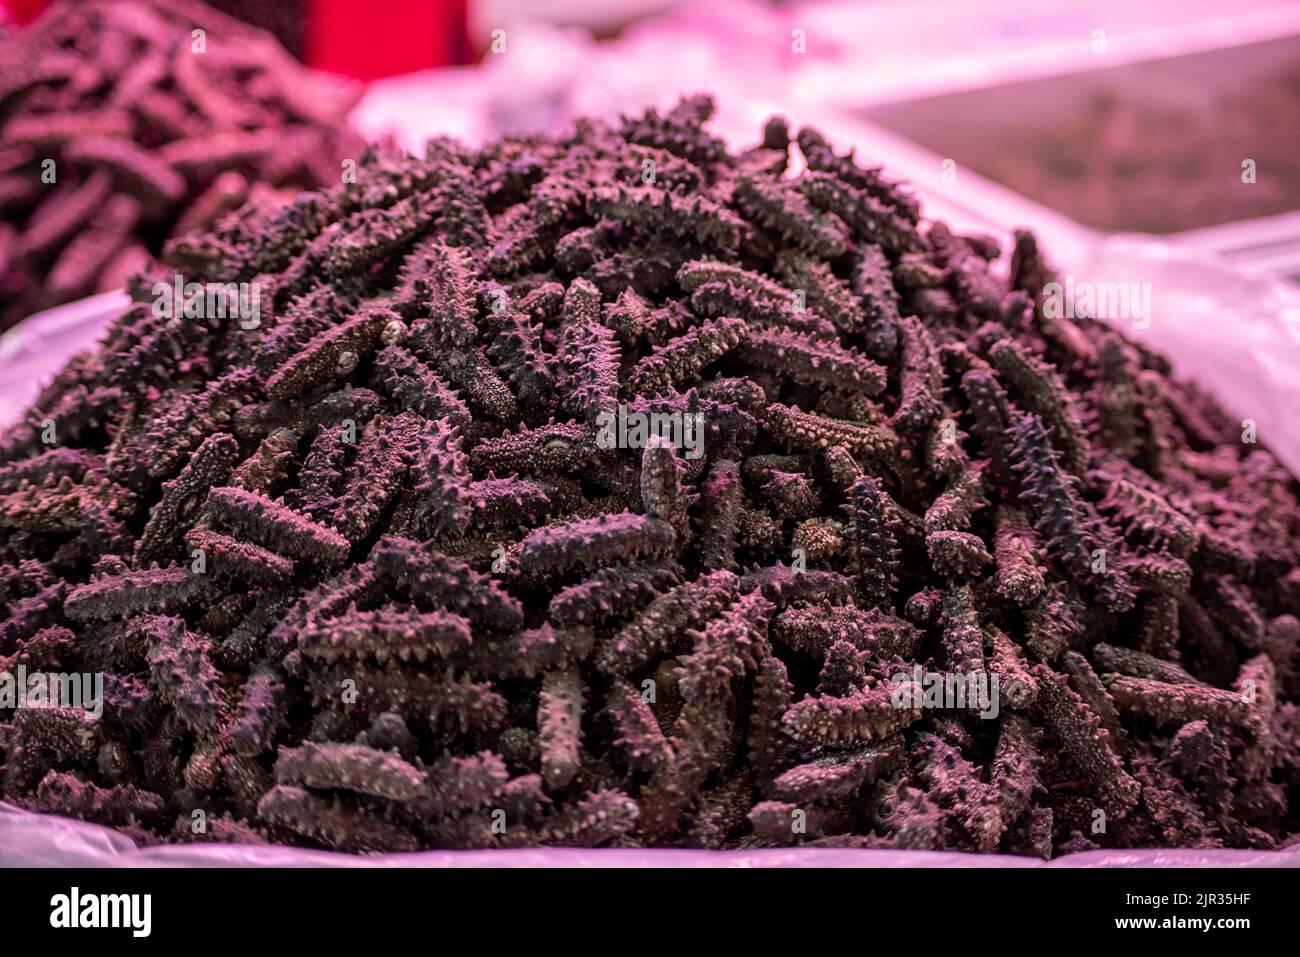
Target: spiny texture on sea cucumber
738, 508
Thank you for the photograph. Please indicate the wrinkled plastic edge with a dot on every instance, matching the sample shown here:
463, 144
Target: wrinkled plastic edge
34, 350
28, 839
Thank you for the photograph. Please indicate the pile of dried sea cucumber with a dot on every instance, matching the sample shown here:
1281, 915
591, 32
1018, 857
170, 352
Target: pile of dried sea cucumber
367, 577
125, 122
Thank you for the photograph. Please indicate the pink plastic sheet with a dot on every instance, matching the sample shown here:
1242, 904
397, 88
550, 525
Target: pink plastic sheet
39, 840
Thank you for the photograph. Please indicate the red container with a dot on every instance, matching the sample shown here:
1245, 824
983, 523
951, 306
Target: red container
385, 37
365, 41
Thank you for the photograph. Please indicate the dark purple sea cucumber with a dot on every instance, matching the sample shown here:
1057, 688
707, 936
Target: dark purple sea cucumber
552, 506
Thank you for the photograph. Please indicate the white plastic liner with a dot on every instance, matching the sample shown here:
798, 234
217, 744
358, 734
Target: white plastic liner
41, 840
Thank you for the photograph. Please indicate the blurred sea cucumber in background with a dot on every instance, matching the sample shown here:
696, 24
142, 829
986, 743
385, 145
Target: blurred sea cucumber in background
125, 123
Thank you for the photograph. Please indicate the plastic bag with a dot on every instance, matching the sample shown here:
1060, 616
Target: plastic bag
40, 840
1234, 331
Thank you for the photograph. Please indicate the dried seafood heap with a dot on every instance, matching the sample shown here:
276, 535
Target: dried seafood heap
371, 576
120, 127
